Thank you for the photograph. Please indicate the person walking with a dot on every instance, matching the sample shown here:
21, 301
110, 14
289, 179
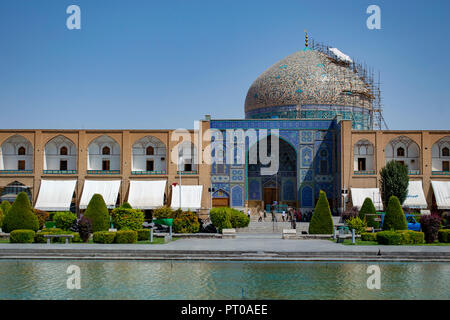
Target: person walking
260, 216
248, 213
283, 215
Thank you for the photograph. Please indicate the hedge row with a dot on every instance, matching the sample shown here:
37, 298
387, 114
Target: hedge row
400, 237
21, 236
368, 236
121, 236
226, 218
444, 235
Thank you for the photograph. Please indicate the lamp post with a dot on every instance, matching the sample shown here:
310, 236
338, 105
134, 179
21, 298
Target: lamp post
180, 161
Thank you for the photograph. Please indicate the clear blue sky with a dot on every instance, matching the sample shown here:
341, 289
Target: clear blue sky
163, 64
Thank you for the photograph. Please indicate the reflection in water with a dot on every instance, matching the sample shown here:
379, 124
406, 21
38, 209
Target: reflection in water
46, 279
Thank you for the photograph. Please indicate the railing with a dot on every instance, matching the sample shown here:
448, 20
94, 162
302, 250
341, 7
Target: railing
16, 171
106, 172
413, 172
440, 173
148, 172
187, 172
60, 171
364, 172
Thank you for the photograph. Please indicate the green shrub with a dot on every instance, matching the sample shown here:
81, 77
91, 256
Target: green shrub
366, 213
20, 215
103, 237
389, 238
64, 219
239, 219
98, 213
42, 217
444, 235
5, 206
127, 219
368, 236
1, 217
412, 237
394, 218
21, 236
126, 236
163, 213
357, 224
126, 205
186, 222
220, 218
321, 221
143, 234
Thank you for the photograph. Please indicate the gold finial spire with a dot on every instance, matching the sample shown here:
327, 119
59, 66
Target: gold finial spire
306, 38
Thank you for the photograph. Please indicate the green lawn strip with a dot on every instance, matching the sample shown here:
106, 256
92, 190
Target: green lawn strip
155, 241
374, 243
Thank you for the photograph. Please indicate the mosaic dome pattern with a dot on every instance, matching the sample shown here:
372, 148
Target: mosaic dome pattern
306, 78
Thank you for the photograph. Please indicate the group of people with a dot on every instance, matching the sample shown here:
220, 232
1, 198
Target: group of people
291, 214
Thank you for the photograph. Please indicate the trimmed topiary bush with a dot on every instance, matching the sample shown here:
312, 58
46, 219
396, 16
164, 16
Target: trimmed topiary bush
127, 219
430, 225
143, 234
220, 218
103, 237
98, 213
126, 236
238, 219
186, 222
64, 219
20, 215
366, 213
444, 235
389, 238
368, 236
321, 221
411, 237
394, 218
21, 236
1, 217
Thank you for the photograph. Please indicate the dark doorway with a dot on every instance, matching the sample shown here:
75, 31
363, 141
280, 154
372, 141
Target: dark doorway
150, 165
105, 165
21, 165
445, 166
63, 165
271, 195
361, 164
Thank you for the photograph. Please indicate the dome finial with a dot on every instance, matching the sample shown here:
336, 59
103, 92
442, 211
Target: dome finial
306, 39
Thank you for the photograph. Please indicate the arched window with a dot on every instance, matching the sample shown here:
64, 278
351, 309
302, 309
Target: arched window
150, 151
445, 152
400, 152
63, 151
21, 151
106, 150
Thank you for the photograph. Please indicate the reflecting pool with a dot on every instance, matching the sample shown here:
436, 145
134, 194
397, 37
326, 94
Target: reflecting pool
102, 279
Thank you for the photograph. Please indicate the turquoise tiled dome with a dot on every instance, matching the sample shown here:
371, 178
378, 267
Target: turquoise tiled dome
307, 80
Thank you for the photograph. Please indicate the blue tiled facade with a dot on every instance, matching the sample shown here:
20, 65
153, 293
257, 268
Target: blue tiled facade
310, 142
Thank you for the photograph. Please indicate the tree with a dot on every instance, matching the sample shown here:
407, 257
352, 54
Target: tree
367, 212
98, 213
321, 221
20, 215
394, 218
126, 205
394, 181
5, 206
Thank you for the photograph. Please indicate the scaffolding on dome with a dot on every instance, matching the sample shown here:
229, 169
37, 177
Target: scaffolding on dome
366, 74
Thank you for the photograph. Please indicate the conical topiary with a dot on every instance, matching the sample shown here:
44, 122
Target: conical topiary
394, 218
367, 212
321, 221
98, 213
20, 215
126, 205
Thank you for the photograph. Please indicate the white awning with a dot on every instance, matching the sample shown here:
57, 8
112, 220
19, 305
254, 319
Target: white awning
416, 197
441, 191
55, 195
109, 190
191, 197
146, 194
360, 194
